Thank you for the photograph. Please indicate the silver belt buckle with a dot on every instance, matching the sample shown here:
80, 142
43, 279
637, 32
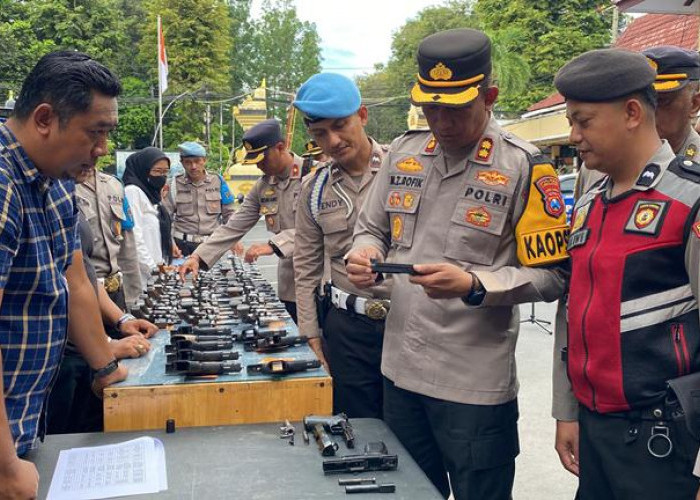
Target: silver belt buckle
376, 309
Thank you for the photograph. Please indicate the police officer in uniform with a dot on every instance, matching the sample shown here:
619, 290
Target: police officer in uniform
273, 196
676, 83
101, 200
677, 86
199, 201
633, 326
479, 214
330, 202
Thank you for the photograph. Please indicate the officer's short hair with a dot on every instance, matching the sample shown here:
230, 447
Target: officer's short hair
66, 80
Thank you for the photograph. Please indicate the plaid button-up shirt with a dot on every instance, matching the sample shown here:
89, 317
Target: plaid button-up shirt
37, 239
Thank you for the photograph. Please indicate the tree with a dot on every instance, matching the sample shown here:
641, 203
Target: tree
28, 30
549, 33
398, 76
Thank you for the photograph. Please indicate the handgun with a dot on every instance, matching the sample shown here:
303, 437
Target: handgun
392, 268
375, 458
338, 425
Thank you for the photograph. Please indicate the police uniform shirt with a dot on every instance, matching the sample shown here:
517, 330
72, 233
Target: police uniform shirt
196, 208
329, 226
493, 212
101, 200
275, 198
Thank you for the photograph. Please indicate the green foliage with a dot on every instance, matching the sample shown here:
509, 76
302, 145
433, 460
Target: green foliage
137, 115
546, 33
196, 39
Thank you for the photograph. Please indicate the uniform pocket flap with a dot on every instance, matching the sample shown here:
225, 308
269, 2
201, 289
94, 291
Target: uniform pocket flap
333, 222
480, 216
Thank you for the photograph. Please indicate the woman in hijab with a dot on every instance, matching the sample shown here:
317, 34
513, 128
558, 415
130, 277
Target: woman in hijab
144, 177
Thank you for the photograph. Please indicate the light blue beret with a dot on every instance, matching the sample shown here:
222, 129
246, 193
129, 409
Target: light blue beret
191, 148
328, 95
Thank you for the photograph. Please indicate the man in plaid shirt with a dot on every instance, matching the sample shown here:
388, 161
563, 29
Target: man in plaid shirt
64, 112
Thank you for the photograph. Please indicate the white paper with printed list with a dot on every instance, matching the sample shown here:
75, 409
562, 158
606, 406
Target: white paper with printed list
130, 468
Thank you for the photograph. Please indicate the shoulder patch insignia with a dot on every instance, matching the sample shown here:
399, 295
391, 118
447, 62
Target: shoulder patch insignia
483, 152
646, 213
397, 226
691, 151
492, 178
432, 144
376, 160
548, 186
410, 165
646, 217
696, 229
478, 216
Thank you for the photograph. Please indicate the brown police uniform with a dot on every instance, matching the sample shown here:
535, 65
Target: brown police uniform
101, 200
354, 320
197, 209
496, 211
330, 229
474, 211
275, 198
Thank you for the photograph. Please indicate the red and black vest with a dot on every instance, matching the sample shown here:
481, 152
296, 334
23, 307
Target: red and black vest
632, 315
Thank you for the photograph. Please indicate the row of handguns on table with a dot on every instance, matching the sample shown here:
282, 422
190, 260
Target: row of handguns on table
229, 303
376, 456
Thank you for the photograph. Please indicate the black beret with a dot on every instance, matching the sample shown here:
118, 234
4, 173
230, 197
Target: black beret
260, 137
604, 75
674, 66
451, 65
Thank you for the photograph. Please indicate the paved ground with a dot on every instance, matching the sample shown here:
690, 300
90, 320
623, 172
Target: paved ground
539, 475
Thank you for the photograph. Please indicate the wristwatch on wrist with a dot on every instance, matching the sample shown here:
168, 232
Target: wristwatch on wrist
108, 369
275, 249
476, 294
123, 319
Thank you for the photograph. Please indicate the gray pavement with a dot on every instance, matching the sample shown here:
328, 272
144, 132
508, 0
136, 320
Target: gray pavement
539, 475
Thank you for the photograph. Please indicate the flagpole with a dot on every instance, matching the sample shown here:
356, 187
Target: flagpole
160, 89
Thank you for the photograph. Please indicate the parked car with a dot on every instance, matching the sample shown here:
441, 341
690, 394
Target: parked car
567, 183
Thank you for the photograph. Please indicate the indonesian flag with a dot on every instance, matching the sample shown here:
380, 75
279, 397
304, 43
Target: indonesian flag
162, 60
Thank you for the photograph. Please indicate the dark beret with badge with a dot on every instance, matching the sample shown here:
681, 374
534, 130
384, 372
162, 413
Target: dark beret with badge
257, 139
604, 75
674, 67
452, 65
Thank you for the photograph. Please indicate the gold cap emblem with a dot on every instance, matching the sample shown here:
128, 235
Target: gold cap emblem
247, 145
440, 72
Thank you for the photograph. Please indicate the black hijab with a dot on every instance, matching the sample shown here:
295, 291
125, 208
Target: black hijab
138, 167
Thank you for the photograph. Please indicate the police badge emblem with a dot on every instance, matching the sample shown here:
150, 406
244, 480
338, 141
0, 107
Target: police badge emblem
548, 186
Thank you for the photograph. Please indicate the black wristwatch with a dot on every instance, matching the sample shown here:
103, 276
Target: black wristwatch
108, 369
276, 249
476, 294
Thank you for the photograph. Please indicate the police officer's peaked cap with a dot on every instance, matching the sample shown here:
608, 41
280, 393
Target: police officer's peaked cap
674, 66
452, 65
604, 75
328, 95
260, 137
311, 149
191, 148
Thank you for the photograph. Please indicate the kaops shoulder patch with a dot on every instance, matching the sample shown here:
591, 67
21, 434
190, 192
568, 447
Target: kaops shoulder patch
541, 231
